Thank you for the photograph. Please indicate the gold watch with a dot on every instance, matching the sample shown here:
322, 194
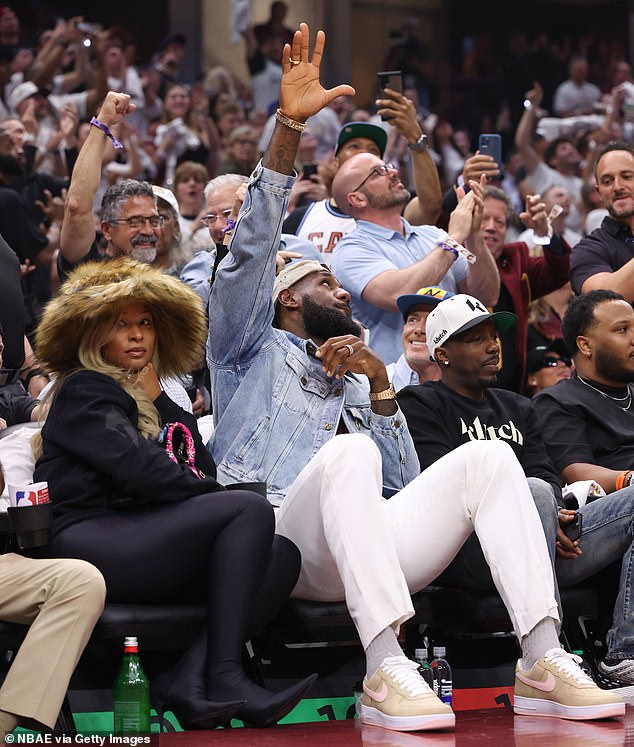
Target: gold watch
388, 393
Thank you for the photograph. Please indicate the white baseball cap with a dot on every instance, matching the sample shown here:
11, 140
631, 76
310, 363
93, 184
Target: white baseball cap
458, 314
168, 196
20, 93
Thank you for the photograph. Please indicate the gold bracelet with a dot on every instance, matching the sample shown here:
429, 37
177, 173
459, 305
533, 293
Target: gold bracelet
388, 393
288, 122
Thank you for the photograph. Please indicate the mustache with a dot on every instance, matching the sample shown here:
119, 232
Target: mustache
144, 238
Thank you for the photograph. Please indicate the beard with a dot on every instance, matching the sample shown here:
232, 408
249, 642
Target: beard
322, 323
389, 199
616, 213
609, 367
144, 253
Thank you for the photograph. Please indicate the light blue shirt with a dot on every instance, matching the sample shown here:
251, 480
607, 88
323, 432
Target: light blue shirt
400, 374
370, 250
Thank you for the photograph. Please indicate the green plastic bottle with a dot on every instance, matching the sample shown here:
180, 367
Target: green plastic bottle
131, 693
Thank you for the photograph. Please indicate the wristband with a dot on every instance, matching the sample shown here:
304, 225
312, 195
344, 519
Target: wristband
451, 245
624, 479
231, 224
447, 248
106, 131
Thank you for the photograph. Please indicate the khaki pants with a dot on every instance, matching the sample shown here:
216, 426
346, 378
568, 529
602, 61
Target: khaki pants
61, 600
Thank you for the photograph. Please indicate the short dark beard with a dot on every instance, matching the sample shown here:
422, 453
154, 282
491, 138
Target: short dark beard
322, 323
608, 367
620, 215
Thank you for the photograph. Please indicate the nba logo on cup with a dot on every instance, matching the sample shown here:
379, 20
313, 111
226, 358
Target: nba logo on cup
28, 495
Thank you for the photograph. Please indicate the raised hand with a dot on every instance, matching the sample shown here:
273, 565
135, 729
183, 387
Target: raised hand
114, 108
301, 92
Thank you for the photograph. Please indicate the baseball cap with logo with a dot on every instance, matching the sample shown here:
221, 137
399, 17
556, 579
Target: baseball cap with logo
430, 295
458, 314
362, 129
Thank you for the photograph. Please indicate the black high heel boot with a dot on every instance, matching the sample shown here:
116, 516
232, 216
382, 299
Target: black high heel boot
262, 708
188, 703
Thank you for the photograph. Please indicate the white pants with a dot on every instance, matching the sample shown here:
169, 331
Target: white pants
374, 553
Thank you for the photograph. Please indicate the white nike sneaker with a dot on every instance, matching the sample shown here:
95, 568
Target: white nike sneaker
397, 697
557, 687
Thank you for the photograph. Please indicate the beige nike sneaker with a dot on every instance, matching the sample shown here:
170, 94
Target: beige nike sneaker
397, 697
557, 687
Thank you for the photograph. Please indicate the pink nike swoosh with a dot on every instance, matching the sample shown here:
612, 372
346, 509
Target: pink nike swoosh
379, 695
548, 685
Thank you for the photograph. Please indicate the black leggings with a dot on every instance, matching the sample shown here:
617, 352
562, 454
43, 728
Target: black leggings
221, 542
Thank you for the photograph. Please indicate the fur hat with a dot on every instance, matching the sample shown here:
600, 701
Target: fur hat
95, 289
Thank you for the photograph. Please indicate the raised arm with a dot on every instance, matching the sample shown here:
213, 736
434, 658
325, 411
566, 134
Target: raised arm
526, 128
78, 227
483, 278
425, 207
248, 272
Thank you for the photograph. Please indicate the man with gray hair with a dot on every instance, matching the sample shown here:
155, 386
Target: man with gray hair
220, 194
130, 221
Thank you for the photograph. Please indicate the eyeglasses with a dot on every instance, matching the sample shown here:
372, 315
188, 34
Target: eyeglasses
208, 220
137, 221
380, 170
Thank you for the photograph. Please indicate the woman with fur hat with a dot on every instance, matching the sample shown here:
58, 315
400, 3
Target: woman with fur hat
156, 531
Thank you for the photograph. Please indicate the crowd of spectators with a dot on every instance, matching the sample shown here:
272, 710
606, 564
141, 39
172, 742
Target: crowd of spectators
398, 213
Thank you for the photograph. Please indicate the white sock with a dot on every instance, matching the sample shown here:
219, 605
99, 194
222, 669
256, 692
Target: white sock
383, 645
536, 642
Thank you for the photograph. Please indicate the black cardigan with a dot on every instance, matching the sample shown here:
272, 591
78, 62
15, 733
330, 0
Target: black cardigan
93, 457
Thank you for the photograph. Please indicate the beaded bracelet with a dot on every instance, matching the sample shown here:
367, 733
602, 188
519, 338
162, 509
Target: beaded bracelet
288, 122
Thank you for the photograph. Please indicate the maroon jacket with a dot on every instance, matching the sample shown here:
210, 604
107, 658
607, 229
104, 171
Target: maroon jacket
527, 278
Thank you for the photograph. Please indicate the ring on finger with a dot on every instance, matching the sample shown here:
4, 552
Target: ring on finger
294, 62
350, 349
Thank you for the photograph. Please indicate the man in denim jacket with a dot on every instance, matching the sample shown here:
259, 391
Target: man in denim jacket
306, 406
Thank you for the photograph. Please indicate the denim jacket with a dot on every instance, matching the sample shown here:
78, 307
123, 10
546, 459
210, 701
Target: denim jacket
273, 405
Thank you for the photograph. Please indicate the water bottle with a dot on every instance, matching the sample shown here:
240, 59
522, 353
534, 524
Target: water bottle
131, 693
443, 684
424, 667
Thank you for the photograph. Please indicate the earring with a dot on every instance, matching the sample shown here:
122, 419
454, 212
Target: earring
445, 363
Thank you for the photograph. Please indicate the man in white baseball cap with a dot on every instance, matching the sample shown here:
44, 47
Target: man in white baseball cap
458, 314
